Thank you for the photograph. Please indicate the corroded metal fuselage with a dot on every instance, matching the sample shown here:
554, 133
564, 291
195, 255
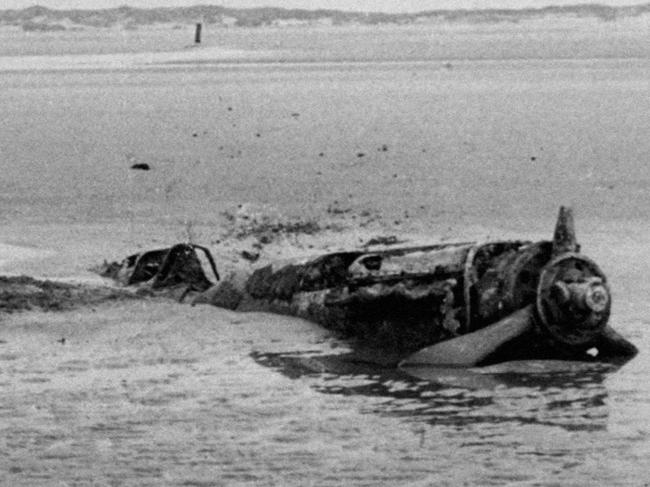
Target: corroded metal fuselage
491, 301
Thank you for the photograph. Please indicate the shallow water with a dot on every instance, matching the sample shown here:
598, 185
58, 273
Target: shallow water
161, 393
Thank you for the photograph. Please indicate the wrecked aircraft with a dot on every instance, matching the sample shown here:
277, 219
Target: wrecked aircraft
457, 304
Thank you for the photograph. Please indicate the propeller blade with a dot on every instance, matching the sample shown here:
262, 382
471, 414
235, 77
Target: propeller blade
614, 346
564, 237
468, 350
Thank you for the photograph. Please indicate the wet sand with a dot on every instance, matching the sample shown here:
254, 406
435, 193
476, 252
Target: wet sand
157, 393
153, 392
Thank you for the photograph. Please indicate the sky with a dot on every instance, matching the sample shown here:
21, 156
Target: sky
359, 5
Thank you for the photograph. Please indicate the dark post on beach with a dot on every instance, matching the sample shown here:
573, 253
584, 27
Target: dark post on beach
197, 33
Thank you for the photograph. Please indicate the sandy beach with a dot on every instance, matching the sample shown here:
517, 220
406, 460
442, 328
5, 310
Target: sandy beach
427, 147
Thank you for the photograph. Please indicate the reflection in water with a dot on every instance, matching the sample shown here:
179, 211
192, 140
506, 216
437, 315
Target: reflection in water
564, 394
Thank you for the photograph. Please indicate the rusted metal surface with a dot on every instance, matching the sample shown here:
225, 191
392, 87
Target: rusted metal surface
405, 299
179, 265
408, 297
564, 237
573, 299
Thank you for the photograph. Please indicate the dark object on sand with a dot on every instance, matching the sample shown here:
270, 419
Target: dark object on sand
142, 166
176, 266
197, 33
250, 256
459, 304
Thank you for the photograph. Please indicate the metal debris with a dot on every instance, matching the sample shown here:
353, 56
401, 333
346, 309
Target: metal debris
177, 266
460, 303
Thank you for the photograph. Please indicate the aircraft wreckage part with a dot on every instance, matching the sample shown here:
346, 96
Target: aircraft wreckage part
573, 300
472, 348
471, 297
614, 347
500, 279
410, 298
564, 236
406, 298
182, 265
164, 268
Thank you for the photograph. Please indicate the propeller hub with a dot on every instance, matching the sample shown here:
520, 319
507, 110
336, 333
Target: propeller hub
573, 300
597, 298
591, 295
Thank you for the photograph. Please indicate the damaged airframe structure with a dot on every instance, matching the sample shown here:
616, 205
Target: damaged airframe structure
458, 304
